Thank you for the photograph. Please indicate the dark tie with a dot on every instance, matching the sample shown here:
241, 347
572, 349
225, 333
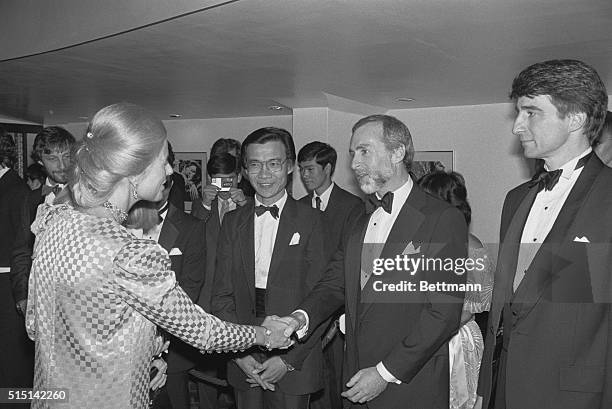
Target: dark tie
318, 202
261, 209
548, 179
372, 202
46, 189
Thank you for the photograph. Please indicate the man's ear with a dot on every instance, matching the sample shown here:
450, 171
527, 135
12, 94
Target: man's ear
576, 121
397, 155
327, 169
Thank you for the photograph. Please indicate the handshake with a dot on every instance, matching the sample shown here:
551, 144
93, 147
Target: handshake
278, 330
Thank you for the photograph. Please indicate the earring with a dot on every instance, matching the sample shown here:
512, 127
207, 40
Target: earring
134, 191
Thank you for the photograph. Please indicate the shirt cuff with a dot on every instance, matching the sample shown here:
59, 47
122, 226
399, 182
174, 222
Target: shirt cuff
386, 375
206, 207
301, 333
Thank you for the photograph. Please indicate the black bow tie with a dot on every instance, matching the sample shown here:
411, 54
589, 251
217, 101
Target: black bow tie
261, 209
46, 189
372, 202
548, 179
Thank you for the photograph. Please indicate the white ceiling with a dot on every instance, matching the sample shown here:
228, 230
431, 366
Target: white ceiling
237, 58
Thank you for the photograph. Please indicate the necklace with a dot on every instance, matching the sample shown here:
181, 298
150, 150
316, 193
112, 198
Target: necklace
118, 214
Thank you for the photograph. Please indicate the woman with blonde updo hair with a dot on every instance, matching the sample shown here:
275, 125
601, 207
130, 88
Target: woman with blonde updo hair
97, 293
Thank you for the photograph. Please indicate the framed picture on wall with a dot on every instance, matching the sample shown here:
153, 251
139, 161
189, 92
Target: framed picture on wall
191, 165
23, 136
431, 161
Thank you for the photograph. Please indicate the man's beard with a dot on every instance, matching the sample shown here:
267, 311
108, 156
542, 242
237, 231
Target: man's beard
370, 181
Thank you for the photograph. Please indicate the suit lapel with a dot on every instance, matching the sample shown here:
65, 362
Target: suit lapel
286, 229
246, 228
170, 228
402, 232
547, 260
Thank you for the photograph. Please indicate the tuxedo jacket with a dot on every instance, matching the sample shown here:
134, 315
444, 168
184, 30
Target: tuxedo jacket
15, 250
410, 334
185, 234
294, 270
557, 343
343, 208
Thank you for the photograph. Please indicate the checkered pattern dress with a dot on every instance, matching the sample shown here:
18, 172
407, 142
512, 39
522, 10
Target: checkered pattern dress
96, 294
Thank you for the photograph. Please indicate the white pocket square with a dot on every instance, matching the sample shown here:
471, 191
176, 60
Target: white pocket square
295, 240
175, 252
582, 239
411, 250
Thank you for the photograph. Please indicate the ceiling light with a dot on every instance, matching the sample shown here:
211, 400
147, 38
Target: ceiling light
175, 115
405, 99
275, 107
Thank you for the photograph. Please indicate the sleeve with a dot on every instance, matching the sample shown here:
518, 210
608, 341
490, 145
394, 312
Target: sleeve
141, 276
314, 257
328, 293
441, 313
21, 257
199, 211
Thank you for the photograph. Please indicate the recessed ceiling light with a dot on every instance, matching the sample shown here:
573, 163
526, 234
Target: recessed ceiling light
275, 107
175, 115
405, 99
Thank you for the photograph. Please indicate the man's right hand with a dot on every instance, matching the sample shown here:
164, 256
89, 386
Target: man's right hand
209, 193
252, 369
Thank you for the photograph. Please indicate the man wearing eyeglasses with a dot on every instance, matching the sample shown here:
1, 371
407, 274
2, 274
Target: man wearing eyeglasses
270, 255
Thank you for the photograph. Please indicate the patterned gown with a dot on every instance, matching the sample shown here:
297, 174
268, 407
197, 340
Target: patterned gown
96, 294
466, 346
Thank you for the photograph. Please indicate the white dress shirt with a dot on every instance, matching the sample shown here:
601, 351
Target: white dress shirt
548, 203
543, 213
3, 171
324, 197
153, 233
378, 230
265, 230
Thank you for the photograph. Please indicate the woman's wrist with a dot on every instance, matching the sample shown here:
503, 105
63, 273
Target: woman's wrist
262, 337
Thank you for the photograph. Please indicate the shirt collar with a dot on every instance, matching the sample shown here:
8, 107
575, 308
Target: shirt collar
325, 195
280, 203
51, 184
400, 195
569, 167
3, 171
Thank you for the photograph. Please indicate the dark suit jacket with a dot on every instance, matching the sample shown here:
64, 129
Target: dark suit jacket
294, 270
15, 239
185, 233
342, 209
213, 226
558, 324
410, 335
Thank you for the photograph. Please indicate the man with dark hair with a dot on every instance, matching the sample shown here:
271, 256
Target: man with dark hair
551, 307
396, 353
269, 256
317, 162
232, 146
604, 148
16, 349
53, 150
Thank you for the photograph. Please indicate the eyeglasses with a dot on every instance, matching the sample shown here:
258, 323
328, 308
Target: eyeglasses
273, 165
